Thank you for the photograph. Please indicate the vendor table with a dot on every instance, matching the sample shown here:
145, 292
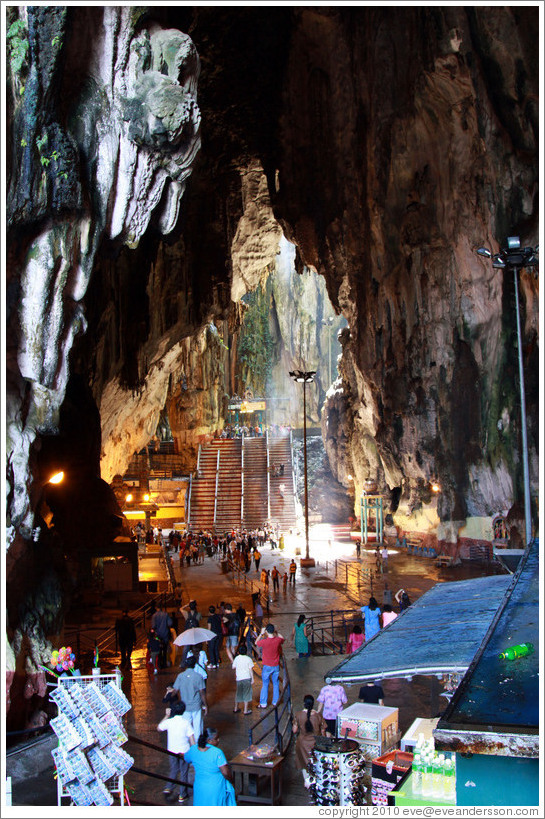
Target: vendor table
251, 771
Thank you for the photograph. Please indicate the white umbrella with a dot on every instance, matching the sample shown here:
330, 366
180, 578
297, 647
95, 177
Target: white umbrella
194, 636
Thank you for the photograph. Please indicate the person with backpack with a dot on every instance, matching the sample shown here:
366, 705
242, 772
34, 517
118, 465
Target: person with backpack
233, 627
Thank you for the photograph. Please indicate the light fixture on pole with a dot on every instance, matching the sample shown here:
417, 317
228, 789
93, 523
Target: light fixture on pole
305, 378
517, 257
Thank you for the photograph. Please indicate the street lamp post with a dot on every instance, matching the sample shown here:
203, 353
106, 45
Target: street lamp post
516, 258
305, 378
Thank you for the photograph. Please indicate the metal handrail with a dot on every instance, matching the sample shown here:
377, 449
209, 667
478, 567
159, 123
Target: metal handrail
242, 481
216, 489
268, 477
283, 708
189, 498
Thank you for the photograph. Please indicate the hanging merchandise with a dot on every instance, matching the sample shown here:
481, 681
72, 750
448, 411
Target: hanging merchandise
89, 761
387, 770
336, 771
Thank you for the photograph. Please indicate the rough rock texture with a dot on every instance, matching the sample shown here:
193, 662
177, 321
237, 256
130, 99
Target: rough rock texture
394, 141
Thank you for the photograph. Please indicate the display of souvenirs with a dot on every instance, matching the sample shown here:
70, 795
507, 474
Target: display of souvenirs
101, 765
87, 737
117, 699
336, 773
114, 729
96, 700
64, 702
100, 794
77, 695
119, 759
89, 762
67, 735
80, 794
367, 730
64, 769
102, 736
77, 761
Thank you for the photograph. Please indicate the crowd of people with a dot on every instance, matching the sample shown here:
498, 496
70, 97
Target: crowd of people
239, 641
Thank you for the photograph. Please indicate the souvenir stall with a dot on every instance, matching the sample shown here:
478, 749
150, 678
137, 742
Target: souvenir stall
89, 760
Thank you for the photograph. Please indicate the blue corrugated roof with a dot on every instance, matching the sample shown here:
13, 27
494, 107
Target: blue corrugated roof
440, 632
501, 693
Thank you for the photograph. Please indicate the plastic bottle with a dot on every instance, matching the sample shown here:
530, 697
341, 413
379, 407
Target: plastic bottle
427, 774
513, 652
437, 775
449, 781
417, 772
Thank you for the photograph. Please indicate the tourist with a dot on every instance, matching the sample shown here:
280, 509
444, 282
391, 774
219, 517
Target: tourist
300, 635
270, 642
387, 597
214, 644
307, 725
201, 660
233, 627
292, 570
126, 635
387, 615
384, 558
161, 623
211, 787
244, 675
358, 548
192, 691
371, 618
192, 617
180, 737
331, 700
403, 600
285, 582
372, 693
154, 648
275, 574
356, 638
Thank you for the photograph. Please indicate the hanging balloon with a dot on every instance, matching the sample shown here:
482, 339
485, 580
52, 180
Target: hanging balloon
72, 656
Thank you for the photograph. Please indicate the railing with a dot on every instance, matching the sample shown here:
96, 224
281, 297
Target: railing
199, 459
242, 480
87, 641
239, 575
330, 631
268, 477
153, 775
356, 577
169, 567
277, 720
189, 497
216, 489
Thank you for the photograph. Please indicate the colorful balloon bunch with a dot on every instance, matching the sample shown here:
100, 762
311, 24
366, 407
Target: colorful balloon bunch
63, 659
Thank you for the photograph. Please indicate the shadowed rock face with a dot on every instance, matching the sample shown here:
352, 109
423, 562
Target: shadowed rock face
386, 143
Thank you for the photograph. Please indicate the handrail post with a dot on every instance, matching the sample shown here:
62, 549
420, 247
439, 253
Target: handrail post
216, 489
242, 482
268, 476
188, 516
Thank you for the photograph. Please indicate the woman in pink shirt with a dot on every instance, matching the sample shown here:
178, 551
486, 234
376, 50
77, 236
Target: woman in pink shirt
356, 639
387, 615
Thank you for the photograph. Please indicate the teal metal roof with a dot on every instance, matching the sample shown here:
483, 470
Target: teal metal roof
495, 709
440, 633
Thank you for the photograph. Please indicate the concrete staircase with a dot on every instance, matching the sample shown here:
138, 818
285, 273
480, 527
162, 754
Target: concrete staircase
256, 510
282, 500
233, 481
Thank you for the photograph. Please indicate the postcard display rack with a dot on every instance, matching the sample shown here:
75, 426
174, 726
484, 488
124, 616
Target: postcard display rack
89, 759
336, 769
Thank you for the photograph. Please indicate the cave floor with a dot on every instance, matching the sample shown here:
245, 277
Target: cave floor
316, 590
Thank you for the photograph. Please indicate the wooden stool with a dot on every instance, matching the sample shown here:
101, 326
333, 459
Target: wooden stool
251, 771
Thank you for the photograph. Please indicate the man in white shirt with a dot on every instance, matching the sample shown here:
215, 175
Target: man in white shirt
179, 737
244, 671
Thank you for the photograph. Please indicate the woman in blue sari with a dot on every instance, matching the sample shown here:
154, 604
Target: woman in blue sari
371, 617
211, 786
